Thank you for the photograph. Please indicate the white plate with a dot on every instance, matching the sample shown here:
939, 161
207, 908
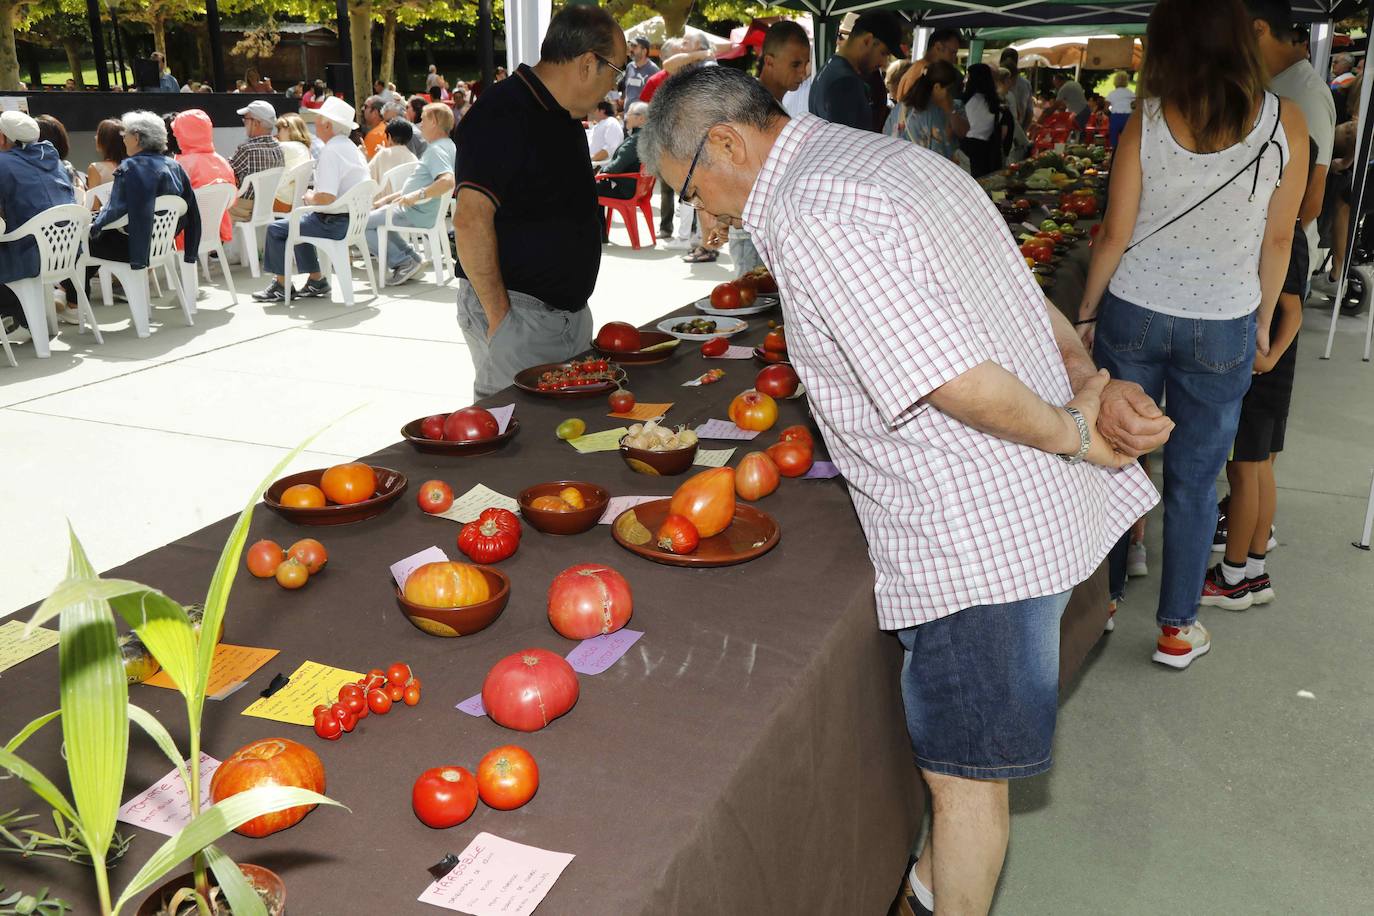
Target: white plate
724, 328
761, 304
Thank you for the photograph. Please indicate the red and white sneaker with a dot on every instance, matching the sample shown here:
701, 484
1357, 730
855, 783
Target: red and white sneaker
1216, 593
1261, 589
1178, 646
1111, 618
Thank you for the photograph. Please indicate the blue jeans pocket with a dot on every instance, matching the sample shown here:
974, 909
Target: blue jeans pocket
1122, 326
1223, 345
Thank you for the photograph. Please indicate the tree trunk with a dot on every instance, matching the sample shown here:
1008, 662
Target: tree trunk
674, 15
160, 39
73, 48
9, 56
387, 72
360, 36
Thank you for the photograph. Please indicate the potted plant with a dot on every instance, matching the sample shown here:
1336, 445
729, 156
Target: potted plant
95, 714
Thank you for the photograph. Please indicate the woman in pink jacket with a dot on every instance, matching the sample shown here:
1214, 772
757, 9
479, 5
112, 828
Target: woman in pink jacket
195, 135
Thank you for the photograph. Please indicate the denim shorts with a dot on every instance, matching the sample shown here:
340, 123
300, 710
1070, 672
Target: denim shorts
981, 688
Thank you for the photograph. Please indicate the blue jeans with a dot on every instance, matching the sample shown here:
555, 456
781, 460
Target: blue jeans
1201, 370
320, 226
397, 249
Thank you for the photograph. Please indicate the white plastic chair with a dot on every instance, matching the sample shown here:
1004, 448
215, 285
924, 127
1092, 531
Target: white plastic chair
99, 194
357, 204
435, 238
214, 199
162, 255
58, 233
397, 176
299, 178
264, 185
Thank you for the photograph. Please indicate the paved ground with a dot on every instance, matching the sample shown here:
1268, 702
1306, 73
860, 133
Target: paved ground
1216, 790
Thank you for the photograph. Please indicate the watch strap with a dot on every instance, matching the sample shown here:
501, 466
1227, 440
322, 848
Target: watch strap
1085, 439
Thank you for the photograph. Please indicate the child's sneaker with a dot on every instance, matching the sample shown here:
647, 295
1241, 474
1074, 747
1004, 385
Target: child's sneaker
1135, 560
1178, 646
1216, 593
1261, 589
1111, 618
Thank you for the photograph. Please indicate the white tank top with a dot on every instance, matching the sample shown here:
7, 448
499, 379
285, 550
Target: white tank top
1206, 264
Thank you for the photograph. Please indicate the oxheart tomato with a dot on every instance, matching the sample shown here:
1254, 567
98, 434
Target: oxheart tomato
716, 346
797, 433
264, 557
756, 476
707, 500
589, 600
444, 796
492, 537
777, 381
433, 427
677, 535
434, 496
446, 584
507, 777
529, 689
753, 410
471, 424
792, 458
269, 762
619, 337
775, 341
350, 483
725, 296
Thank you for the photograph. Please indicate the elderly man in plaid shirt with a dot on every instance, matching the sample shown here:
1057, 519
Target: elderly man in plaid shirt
990, 464
259, 152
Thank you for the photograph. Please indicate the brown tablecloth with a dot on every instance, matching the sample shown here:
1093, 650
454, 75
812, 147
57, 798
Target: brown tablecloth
749, 754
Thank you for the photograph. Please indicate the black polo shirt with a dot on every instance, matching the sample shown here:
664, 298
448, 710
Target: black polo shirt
523, 150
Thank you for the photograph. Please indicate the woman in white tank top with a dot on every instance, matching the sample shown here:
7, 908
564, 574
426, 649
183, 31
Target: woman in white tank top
1187, 270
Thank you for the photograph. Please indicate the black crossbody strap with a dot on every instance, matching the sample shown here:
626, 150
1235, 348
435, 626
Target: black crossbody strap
1254, 186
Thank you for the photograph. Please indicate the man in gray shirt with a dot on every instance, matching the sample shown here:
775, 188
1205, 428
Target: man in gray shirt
639, 69
1069, 91
1019, 98
840, 90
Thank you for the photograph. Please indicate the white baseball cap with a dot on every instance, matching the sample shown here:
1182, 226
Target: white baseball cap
334, 109
260, 109
19, 127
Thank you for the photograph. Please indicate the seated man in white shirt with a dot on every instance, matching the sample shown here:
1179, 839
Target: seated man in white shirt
606, 133
341, 166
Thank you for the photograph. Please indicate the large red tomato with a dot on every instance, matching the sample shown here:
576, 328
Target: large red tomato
269, 762
589, 600
748, 292
753, 410
349, 483
707, 500
777, 381
618, 336
444, 796
470, 424
433, 427
447, 584
507, 777
792, 458
797, 433
529, 689
725, 296
756, 476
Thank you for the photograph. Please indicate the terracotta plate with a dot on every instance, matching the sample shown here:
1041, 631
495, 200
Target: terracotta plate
527, 380
411, 433
768, 359
752, 534
644, 356
390, 485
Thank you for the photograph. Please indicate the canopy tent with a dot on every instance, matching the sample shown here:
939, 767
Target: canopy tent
655, 30
979, 13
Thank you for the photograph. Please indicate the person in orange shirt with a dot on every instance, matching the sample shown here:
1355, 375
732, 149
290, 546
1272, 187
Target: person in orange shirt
374, 124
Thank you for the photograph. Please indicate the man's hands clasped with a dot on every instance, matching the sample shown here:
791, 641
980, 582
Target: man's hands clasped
1125, 422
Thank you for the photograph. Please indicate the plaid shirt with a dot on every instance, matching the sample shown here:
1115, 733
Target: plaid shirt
256, 154
897, 275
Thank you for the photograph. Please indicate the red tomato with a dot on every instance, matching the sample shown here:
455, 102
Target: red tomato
621, 401
447, 584
725, 296
346, 484
777, 381
589, 600
775, 341
494, 536
395, 692
412, 693
398, 674
677, 535
716, 346
292, 574
351, 690
378, 702
433, 427
1022, 203
748, 292
264, 557
792, 458
707, 500
756, 476
269, 762
470, 425
328, 728
797, 433
345, 716
434, 496
309, 552
507, 777
753, 410
529, 689
444, 797
619, 336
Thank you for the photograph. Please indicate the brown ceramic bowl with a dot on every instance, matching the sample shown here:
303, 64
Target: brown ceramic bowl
574, 522
262, 879
460, 621
658, 464
411, 433
390, 485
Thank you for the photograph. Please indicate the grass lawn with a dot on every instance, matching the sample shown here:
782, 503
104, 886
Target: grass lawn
55, 73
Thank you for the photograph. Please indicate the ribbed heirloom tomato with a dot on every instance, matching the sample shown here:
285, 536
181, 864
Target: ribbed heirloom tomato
589, 600
269, 762
507, 777
756, 476
529, 689
346, 484
492, 537
446, 584
444, 796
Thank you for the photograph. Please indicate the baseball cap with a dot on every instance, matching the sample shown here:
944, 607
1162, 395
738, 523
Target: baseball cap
19, 127
884, 26
260, 109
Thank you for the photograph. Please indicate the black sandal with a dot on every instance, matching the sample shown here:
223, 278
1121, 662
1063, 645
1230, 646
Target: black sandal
700, 255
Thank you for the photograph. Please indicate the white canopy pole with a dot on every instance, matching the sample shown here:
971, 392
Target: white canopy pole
1322, 35
526, 23
1357, 196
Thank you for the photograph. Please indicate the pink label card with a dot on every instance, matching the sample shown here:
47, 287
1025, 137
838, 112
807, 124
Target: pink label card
401, 569
472, 706
165, 806
497, 877
619, 504
724, 429
502, 415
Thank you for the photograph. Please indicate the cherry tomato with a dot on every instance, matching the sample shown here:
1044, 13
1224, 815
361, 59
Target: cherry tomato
320, 710
507, 777
376, 672
444, 796
412, 694
378, 702
396, 692
328, 728
292, 574
345, 716
398, 674
348, 690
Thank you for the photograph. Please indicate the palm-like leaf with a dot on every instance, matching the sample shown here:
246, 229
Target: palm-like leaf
238, 893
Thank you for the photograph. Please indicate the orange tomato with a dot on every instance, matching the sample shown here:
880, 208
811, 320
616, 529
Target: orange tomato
753, 410
550, 504
707, 500
349, 483
446, 584
573, 497
303, 496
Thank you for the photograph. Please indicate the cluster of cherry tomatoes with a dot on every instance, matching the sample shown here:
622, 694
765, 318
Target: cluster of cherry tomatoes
445, 796
377, 691
292, 568
579, 374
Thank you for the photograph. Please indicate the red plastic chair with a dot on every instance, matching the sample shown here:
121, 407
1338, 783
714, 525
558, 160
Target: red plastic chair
1046, 136
644, 193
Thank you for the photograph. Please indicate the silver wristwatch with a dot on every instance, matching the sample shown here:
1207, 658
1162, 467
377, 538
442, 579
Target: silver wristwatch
1085, 439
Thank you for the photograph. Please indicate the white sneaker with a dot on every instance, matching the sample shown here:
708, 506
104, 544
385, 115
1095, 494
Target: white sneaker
677, 244
1178, 646
68, 316
1273, 539
1135, 560
1325, 285
20, 335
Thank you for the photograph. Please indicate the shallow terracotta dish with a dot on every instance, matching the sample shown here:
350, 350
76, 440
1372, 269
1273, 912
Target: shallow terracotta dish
752, 534
527, 380
574, 522
460, 621
411, 433
390, 485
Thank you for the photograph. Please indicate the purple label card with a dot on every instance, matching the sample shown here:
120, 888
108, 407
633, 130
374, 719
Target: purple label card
595, 655
401, 569
821, 470
502, 415
724, 429
619, 504
472, 706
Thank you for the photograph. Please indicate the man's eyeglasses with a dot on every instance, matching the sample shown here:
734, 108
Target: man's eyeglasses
618, 70
682, 196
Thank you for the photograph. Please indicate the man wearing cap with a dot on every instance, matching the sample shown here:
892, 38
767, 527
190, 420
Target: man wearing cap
165, 81
258, 153
637, 71
340, 167
840, 92
32, 179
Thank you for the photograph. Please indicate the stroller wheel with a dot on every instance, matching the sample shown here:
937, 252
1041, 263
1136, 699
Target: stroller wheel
1359, 289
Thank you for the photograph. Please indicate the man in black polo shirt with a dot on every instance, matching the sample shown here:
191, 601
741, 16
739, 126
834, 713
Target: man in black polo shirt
840, 92
528, 226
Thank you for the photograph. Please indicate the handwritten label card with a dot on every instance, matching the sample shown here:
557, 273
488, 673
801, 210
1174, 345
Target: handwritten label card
165, 807
496, 877
734, 352
595, 655
713, 457
472, 706
232, 665
724, 429
502, 415
401, 569
619, 504
608, 440
14, 648
821, 470
311, 684
643, 412
467, 507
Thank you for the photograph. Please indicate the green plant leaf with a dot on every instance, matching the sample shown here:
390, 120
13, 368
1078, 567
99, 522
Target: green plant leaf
40, 784
78, 589
238, 893
95, 699
28, 731
212, 824
162, 739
